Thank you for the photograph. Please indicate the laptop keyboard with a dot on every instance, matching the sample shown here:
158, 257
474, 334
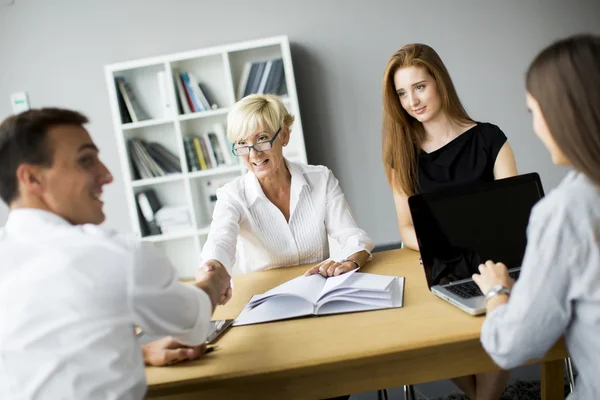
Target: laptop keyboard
470, 289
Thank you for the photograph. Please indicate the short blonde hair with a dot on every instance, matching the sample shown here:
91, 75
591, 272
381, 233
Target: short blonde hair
257, 111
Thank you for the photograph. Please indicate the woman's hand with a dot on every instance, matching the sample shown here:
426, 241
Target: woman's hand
329, 268
491, 274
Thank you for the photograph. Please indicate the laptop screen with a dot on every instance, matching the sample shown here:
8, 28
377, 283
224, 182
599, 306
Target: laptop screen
458, 229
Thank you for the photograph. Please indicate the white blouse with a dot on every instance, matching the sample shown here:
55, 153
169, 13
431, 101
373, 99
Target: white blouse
245, 219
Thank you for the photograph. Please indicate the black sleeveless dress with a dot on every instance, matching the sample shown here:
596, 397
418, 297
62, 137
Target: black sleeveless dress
469, 158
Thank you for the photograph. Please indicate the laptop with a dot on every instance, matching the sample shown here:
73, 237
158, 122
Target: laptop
460, 228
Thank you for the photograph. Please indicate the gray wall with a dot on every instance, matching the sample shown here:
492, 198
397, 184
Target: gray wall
56, 50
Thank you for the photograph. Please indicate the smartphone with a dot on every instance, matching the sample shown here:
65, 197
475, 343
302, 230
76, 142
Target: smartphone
218, 328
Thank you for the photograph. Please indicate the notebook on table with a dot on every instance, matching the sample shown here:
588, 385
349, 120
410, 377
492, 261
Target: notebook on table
315, 295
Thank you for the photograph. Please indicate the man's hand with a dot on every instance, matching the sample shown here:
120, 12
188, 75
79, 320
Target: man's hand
213, 278
167, 351
329, 268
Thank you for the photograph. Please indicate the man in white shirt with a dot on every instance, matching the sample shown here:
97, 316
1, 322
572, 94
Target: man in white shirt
70, 291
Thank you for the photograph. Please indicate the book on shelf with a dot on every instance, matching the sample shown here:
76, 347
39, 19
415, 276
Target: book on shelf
224, 144
315, 295
132, 106
199, 153
263, 77
151, 160
193, 96
191, 155
183, 103
209, 155
208, 150
149, 204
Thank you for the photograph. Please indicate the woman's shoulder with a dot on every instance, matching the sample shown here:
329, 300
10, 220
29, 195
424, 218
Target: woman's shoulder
309, 170
232, 189
489, 130
575, 199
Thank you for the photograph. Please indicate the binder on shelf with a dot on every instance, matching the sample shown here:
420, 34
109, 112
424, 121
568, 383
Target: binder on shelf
151, 160
135, 110
149, 205
125, 118
164, 158
263, 77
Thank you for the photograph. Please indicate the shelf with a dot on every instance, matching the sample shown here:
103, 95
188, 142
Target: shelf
203, 114
143, 124
157, 180
184, 234
156, 88
171, 236
216, 171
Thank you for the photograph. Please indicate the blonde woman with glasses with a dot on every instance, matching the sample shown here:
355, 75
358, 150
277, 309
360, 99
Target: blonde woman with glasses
280, 213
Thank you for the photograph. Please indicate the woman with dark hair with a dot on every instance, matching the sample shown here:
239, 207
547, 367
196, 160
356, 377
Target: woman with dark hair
431, 143
558, 292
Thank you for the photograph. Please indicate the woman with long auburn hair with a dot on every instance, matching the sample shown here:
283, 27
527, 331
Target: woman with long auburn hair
429, 140
558, 292
431, 143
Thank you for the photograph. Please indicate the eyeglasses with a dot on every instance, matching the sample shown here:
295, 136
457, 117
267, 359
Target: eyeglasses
259, 147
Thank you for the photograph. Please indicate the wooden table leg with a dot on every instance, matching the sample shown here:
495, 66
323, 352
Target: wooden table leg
553, 373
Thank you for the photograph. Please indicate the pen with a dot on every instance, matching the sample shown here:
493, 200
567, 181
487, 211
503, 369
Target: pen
210, 349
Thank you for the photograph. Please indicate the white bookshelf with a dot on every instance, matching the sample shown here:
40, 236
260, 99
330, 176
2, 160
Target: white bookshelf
219, 69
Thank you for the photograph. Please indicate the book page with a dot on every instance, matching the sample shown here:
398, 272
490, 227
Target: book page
275, 309
392, 297
305, 287
358, 281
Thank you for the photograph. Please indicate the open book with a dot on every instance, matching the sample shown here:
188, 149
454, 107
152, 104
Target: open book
315, 295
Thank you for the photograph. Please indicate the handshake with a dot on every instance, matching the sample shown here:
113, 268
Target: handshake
213, 278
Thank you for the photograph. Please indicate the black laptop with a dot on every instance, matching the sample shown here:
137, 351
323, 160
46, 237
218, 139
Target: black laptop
460, 228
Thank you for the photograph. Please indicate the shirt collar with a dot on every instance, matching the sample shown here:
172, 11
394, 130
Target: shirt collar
30, 219
254, 191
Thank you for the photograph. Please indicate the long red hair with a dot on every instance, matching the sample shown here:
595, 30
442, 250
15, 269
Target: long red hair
402, 134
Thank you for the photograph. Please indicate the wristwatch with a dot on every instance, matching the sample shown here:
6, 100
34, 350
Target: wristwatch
351, 260
496, 290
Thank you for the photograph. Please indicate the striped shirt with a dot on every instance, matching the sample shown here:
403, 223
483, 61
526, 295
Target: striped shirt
245, 219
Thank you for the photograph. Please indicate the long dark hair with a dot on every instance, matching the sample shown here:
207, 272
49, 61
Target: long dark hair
565, 81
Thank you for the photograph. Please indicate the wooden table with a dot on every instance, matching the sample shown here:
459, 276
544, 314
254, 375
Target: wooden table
317, 357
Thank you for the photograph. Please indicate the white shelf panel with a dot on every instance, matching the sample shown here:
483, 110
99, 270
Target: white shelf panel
203, 114
216, 171
177, 235
143, 124
171, 236
154, 181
